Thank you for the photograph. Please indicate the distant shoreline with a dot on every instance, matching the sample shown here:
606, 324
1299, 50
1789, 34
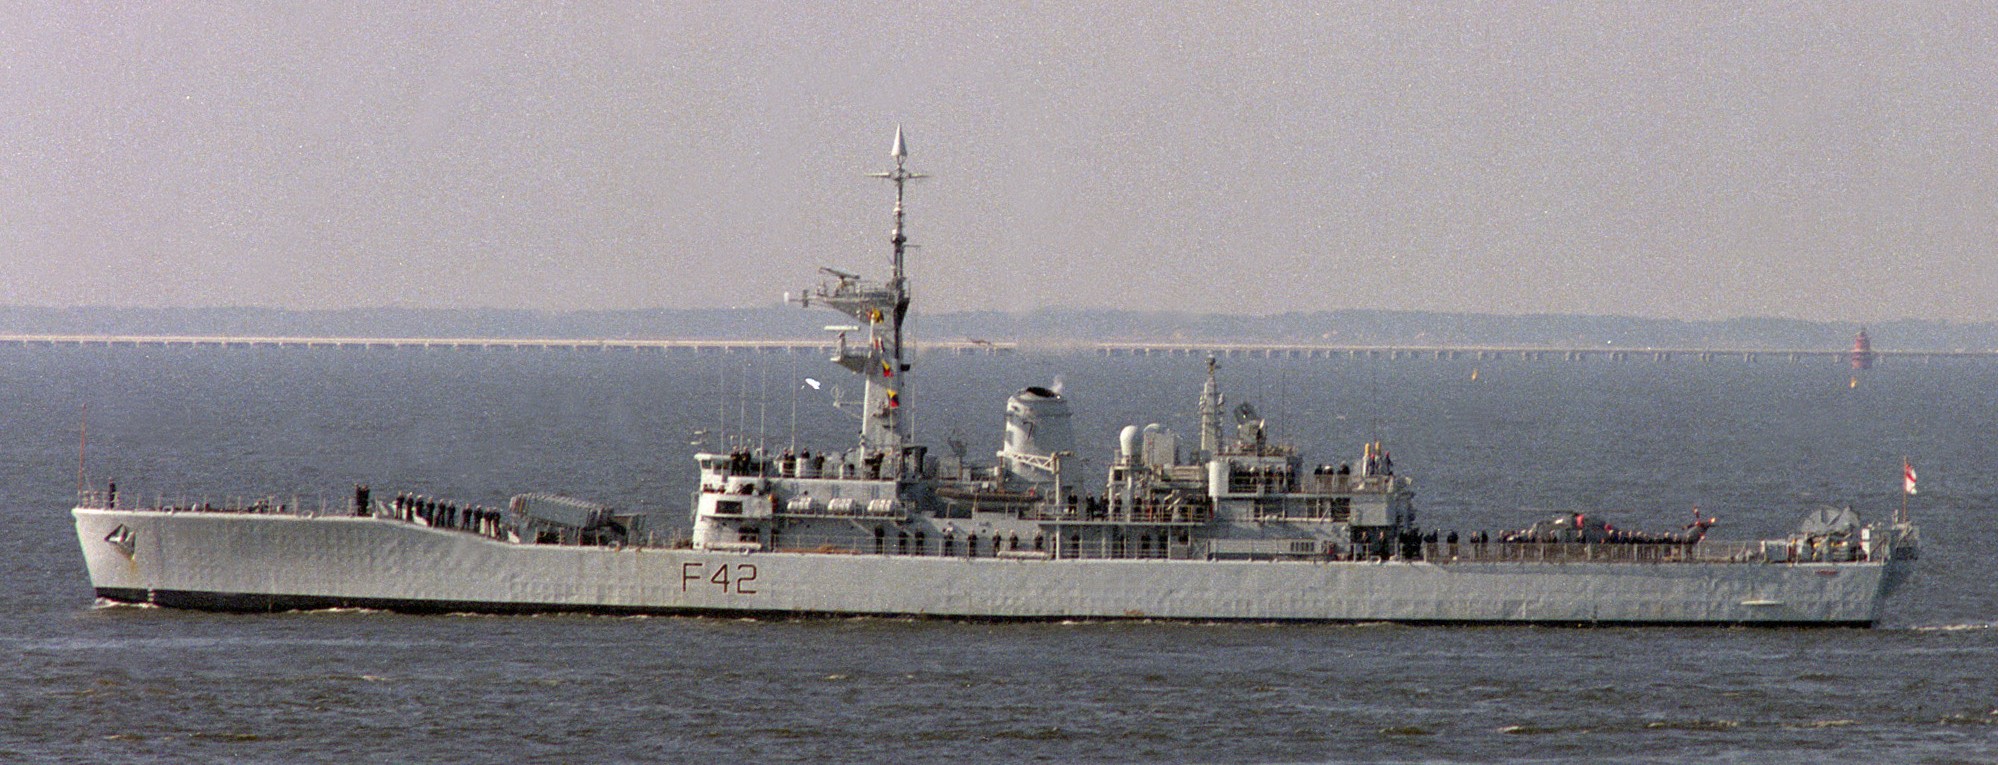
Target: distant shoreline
1389, 352
1330, 329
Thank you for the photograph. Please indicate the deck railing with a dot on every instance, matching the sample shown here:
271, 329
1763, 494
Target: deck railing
1774, 551
858, 542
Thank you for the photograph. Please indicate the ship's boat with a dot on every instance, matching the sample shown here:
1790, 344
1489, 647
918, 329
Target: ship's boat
1226, 525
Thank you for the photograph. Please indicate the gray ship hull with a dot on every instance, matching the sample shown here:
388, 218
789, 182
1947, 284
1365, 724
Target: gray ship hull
274, 562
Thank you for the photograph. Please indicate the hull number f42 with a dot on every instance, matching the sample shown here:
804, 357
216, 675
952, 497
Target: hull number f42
734, 579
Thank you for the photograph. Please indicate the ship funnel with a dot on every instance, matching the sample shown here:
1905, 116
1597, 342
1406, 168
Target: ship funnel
1037, 427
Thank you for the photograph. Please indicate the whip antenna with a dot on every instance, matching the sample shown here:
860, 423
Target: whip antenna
82, 448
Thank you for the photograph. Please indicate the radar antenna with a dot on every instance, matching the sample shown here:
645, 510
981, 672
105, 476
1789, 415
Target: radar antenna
1245, 413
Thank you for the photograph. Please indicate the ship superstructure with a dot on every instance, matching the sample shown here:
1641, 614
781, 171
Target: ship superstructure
1233, 525
1244, 497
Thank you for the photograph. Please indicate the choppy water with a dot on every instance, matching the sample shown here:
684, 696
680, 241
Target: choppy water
1756, 444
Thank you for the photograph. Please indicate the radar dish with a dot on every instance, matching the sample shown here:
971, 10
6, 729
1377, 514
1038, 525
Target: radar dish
1245, 413
1829, 521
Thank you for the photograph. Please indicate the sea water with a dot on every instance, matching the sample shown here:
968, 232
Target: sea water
1491, 444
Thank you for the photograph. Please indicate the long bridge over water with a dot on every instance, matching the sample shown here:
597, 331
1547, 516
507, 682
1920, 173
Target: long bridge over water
981, 347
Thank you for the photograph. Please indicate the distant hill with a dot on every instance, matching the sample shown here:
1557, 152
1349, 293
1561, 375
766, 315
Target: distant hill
1049, 326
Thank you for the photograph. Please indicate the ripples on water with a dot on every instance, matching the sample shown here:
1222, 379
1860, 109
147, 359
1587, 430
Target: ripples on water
1757, 444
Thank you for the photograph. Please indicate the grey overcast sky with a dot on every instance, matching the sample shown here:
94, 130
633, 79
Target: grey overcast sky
1828, 161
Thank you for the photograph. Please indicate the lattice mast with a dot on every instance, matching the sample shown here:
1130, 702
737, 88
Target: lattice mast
880, 309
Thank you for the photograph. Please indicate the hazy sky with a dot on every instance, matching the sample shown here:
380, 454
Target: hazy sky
1835, 161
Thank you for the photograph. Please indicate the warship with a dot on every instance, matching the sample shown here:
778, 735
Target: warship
1226, 525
